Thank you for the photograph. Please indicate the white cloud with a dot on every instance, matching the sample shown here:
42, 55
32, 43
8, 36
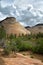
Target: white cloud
2, 16
5, 3
22, 23
27, 11
17, 13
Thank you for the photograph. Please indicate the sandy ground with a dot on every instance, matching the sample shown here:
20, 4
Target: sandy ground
21, 60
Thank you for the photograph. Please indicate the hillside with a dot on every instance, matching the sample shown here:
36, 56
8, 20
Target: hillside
13, 27
35, 29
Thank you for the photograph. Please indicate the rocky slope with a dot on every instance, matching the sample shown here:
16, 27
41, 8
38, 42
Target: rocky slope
13, 27
36, 29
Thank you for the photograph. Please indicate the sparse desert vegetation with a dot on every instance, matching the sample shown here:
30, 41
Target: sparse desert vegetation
13, 46
13, 43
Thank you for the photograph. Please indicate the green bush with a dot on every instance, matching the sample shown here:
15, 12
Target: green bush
10, 46
13, 46
23, 46
7, 48
38, 48
22, 43
39, 35
2, 33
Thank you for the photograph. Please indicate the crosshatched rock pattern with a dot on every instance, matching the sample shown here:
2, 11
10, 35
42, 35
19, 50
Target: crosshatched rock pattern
12, 26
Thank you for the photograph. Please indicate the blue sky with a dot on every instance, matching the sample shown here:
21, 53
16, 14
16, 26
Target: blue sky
27, 12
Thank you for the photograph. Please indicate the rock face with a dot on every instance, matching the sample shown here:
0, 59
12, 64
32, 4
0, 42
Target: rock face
36, 29
13, 27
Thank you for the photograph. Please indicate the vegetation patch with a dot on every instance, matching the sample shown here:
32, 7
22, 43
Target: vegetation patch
12, 44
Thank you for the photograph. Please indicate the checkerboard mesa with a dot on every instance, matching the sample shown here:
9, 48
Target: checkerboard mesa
12, 26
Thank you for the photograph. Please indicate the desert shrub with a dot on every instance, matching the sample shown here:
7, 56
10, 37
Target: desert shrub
39, 35
31, 56
13, 46
10, 46
11, 36
7, 48
38, 48
2, 33
23, 46
29, 37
